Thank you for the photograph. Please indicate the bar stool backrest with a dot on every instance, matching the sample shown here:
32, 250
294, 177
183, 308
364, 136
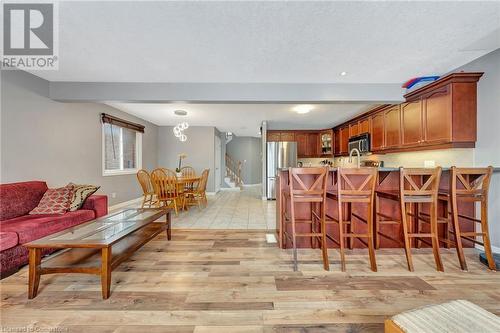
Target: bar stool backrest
470, 181
410, 187
299, 191
357, 182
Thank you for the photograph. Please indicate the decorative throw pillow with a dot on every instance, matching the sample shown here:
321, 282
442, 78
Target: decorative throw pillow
54, 201
80, 194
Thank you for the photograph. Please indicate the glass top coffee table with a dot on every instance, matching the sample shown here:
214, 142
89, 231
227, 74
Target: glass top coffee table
96, 247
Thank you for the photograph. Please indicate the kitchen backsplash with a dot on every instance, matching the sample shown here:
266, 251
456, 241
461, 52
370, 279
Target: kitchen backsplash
462, 157
306, 162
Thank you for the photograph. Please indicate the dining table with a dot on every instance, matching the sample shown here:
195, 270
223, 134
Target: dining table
186, 183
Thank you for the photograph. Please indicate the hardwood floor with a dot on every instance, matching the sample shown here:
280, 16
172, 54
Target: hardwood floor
233, 281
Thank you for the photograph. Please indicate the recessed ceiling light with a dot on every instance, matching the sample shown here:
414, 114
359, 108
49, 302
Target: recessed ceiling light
302, 109
180, 113
343, 73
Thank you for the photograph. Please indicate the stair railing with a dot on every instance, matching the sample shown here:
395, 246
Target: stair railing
233, 170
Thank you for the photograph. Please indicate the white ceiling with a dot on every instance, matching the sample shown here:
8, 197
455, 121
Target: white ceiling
243, 119
301, 42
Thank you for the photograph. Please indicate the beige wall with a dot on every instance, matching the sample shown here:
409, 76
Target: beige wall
42, 139
487, 151
199, 148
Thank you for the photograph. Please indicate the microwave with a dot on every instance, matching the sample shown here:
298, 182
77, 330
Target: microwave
360, 142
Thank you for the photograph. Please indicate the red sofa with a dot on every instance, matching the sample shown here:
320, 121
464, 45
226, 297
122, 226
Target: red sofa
17, 227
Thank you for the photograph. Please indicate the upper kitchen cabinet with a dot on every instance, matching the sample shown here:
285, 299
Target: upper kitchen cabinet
392, 127
273, 136
336, 142
449, 110
326, 143
412, 123
441, 114
377, 132
364, 126
302, 144
344, 140
353, 129
313, 141
437, 116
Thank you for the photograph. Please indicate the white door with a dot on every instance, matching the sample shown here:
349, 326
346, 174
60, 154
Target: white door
218, 157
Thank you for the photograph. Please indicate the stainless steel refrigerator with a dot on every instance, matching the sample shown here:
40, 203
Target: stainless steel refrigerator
279, 155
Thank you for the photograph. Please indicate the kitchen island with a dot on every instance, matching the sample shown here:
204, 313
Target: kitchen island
388, 205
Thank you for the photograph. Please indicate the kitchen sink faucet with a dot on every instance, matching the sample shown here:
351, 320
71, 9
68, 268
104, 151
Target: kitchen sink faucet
359, 156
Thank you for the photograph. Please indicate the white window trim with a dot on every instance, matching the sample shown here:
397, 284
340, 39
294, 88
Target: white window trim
138, 156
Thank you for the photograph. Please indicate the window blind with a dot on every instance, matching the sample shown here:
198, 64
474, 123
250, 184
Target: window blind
109, 119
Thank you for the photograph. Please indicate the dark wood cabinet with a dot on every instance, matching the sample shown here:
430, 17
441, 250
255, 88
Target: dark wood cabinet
364, 126
326, 143
353, 129
378, 132
302, 144
287, 136
412, 123
442, 114
273, 136
314, 145
336, 142
344, 140
392, 127
437, 116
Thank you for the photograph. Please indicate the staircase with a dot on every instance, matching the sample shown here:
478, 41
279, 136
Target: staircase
233, 173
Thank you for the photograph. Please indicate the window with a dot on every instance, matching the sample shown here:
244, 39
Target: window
121, 150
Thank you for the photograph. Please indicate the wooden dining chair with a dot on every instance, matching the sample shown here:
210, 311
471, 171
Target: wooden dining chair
468, 185
199, 195
354, 186
314, 194
188, 172
166, 188
149, 196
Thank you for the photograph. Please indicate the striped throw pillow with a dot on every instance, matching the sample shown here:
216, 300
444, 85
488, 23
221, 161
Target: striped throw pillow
80, 194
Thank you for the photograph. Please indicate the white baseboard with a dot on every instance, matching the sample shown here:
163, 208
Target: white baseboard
125, 204
211, 193
251, 185
494, 249
230, 189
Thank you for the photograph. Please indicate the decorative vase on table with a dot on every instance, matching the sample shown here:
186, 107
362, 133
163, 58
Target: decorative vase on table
178, 172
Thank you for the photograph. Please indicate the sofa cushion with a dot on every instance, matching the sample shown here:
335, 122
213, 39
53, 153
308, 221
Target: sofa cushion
19, 199
31, 227
55, 201
8, 239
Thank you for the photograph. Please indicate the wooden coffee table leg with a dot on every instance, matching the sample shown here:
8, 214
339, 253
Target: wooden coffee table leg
106, 271
34, 271
169, 225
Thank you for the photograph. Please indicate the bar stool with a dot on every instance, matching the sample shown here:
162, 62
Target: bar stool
411, 195
469, 185
354, 185
315, 195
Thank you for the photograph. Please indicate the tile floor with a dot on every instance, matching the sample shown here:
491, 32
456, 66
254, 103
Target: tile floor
230, 210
